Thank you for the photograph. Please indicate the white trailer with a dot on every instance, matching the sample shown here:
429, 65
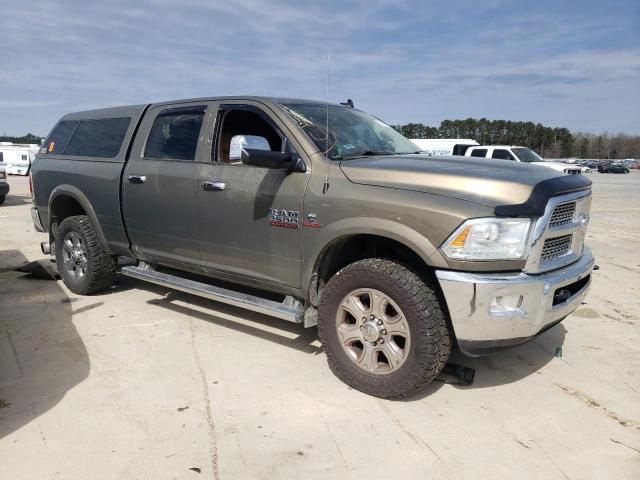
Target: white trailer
444, 146
17, 157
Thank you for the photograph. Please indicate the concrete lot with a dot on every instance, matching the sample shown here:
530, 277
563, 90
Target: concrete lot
143, 383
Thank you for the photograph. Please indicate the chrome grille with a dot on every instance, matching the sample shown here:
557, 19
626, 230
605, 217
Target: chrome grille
563, 214
556, 247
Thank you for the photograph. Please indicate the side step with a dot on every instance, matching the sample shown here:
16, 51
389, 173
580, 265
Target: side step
290, 310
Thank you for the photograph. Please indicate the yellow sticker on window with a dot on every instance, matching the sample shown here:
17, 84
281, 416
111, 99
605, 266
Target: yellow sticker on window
52, 146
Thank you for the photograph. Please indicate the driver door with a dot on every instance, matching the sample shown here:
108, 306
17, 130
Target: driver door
249, 217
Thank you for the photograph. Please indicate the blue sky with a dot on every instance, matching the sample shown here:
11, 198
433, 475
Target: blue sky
561, 63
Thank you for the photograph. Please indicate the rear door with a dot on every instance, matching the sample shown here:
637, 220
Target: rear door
160, 184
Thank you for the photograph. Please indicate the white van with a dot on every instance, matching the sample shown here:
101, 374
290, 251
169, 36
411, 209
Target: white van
17, 158
520, 154
444, 146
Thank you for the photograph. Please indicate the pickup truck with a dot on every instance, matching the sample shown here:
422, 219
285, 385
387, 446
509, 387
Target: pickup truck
319, 214
521, 154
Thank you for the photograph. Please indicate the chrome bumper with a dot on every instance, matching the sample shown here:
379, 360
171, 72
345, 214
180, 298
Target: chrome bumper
37, 223
496, 310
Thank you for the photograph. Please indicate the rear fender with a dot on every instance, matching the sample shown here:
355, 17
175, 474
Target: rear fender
83, 201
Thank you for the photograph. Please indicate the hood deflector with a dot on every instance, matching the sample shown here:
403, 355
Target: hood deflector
541, 193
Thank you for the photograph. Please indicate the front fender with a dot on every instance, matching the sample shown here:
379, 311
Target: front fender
315, 244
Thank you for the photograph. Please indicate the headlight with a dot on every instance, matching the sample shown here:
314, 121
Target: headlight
489, 239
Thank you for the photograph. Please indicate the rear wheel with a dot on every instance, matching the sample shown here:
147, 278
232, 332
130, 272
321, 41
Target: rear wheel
2, 199
383, 328
83, 263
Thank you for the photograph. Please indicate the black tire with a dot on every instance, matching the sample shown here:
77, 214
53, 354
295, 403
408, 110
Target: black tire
421, 306
2, 199
99, 266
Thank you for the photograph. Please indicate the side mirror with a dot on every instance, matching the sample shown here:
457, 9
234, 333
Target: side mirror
238, 142
269, 159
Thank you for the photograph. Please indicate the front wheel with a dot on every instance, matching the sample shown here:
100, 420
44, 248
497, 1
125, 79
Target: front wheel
2, 199
383, 328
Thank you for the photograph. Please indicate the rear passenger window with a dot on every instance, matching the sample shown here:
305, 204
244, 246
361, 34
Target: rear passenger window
174, 134
502, 155
58, 139
479, 152
98, 138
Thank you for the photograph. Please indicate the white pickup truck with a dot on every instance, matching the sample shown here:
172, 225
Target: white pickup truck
519, 154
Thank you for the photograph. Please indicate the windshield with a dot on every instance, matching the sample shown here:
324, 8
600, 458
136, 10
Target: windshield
527, 155
352, 133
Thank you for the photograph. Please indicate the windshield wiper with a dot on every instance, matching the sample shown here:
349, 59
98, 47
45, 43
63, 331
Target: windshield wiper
366, 153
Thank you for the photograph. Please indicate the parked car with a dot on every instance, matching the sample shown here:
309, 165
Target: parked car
585, 168
4, 185
592, 164
520, 154
336, 223
612, 167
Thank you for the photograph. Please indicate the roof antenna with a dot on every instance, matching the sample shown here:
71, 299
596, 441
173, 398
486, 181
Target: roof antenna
325, 188
348, 103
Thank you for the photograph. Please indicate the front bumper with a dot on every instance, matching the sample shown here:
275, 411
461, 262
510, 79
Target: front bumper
483, 324
4, 188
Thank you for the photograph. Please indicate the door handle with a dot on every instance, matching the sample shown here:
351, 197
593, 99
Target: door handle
213, 186
137, 179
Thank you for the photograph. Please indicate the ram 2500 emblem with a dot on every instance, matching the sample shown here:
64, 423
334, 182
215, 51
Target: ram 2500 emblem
284, 218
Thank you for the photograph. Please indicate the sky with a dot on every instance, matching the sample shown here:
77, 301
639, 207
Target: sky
561, 63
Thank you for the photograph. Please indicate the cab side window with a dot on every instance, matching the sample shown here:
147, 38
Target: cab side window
479, 152
245, 128
174, 134
502, 154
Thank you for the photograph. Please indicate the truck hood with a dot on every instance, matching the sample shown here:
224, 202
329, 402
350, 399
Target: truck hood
485, 181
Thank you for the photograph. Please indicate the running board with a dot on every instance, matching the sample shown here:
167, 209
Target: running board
290, 309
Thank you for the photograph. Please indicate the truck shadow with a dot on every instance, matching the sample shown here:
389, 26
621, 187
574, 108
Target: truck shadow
490, 371
233, 318
506, 366
42, 356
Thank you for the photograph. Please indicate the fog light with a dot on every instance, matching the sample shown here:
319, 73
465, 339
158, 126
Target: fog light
506, 305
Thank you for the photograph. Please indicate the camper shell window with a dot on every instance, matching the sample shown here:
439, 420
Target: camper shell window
100, 138
60, 136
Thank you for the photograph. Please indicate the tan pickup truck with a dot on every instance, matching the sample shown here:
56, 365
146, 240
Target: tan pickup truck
321, 215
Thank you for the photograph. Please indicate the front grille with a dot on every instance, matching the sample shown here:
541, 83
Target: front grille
555, 247
572, 171
563, 214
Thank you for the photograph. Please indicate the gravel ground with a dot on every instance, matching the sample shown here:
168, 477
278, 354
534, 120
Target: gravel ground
143, 383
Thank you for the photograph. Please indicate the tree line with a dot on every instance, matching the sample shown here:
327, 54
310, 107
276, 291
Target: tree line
28, 138
549, 142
